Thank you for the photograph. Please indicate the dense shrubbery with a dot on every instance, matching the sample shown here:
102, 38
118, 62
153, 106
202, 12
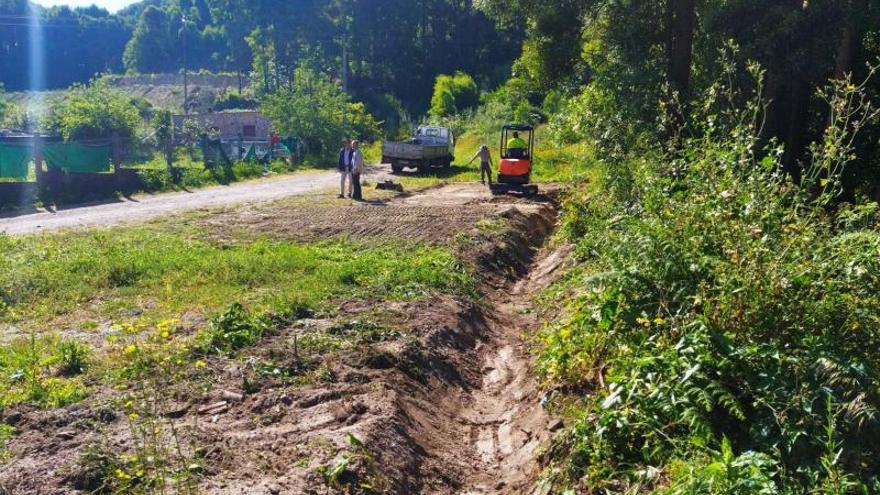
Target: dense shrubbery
94, 111
723, 335
228, 100
453, 95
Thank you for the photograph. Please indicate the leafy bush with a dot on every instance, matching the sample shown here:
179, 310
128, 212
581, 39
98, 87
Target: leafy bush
227, 100
453, 95
73, 358
92, 111
231, 330
725, 324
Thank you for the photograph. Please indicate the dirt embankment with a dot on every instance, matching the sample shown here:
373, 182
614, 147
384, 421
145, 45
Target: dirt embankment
444, 403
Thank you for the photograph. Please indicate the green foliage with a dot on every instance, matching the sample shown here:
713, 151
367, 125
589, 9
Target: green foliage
94, 111
355, 472
311, 109
152, 372
724, 320
42, 371
152, 44
4, 106
233, 329
164, 127
228, 100
73, 358
90, 42
453, 95
7, 432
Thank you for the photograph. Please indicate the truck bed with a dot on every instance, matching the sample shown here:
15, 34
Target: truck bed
408, 151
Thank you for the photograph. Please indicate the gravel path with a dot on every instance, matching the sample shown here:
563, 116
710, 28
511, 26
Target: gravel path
146, 207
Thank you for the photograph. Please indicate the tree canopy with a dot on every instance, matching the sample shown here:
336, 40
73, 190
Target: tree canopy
394, 47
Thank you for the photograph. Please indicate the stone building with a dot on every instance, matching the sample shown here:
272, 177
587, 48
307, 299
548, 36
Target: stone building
233, 125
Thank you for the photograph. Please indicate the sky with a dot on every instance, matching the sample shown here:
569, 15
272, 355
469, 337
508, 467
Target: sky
111, 5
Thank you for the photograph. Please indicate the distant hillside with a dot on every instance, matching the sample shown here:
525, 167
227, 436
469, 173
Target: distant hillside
162, 90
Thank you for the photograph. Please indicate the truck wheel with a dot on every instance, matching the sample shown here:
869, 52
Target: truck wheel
396, 169
424, 168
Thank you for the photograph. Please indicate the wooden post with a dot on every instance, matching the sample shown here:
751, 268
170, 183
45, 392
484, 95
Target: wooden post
38, 157
43, 180
116, 153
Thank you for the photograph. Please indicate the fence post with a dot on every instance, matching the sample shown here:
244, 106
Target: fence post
116, 153
168, 150
44, 186
38, 157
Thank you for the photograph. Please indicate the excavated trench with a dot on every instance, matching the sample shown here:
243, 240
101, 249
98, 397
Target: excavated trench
475, 427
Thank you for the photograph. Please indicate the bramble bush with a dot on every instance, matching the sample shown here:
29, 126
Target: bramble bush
723, 333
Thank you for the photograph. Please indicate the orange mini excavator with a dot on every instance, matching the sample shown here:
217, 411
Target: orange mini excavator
515, 166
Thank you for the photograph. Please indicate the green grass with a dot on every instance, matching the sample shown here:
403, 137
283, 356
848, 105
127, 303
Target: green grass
109, 274
41, 371
143, 280
7, 432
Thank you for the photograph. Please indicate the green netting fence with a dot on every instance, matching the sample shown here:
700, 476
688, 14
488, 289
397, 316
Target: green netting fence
14, 160
251, 155
77, 158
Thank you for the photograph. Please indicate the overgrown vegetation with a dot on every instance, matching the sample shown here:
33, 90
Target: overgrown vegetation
724, 319
42, 370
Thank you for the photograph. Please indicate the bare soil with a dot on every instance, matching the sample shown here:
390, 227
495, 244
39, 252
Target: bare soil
449, 405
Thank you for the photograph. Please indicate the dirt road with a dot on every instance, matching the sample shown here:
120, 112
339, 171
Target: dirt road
146, 207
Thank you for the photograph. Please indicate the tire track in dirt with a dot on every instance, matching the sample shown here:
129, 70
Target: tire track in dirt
504, 418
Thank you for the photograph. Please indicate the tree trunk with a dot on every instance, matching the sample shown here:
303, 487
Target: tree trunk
682, 18
844, 56
797, 128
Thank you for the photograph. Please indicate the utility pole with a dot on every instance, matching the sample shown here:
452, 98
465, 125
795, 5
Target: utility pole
185, 75
344, 83
345, 41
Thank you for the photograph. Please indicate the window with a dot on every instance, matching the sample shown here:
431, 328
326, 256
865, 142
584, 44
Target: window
249, 131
